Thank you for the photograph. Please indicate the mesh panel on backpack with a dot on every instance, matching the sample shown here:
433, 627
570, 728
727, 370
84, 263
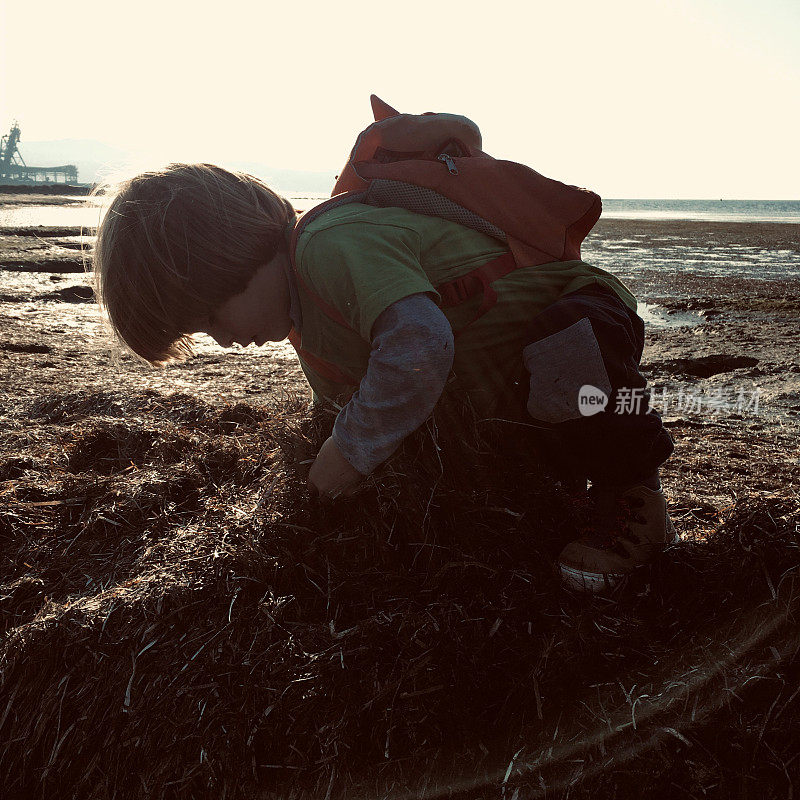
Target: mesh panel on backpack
384, 193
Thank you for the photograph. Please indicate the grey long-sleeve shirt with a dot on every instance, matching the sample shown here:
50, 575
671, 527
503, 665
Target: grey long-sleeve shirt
410, 360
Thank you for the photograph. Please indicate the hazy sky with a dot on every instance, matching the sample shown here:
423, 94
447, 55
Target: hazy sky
633, 98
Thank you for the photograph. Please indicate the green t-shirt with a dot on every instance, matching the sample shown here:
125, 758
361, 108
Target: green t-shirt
360, 259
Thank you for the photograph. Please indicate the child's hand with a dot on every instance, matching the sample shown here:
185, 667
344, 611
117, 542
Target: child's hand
332, 475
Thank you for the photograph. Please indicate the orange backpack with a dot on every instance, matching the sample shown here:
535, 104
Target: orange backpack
432, 164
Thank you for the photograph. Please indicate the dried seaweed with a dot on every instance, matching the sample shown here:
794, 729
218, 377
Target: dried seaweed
182, 619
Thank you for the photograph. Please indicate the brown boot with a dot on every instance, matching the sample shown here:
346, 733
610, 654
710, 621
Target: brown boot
631, 528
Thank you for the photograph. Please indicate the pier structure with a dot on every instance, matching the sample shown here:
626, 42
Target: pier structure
14, 170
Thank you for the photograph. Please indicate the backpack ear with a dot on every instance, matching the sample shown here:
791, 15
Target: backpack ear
381, 110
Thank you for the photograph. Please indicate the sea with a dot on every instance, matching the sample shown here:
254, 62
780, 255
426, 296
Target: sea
705, 210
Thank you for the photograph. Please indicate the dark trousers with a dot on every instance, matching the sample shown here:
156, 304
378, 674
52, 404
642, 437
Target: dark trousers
627, 441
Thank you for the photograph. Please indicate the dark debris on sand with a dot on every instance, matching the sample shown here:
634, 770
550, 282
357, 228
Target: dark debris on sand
181, 620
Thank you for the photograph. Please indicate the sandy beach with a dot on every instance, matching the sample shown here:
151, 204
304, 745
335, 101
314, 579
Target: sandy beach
99, 448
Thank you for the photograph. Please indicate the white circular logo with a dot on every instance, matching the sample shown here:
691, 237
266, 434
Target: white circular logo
591, 400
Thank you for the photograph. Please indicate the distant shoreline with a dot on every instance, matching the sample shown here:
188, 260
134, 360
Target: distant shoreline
85, 188
769, 234
651, 216
71, 189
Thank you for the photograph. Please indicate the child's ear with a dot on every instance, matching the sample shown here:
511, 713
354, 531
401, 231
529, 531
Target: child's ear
381, 110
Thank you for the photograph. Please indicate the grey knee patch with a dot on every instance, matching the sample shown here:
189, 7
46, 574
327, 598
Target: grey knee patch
560, 365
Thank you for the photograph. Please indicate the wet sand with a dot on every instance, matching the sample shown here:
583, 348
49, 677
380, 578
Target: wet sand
722, 351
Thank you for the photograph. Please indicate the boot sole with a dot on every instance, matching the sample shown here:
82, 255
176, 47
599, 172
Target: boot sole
582, 581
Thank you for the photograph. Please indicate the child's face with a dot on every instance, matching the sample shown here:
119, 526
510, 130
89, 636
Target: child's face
259, 314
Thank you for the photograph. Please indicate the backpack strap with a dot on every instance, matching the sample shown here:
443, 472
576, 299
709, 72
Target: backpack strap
453, 293
479, 280
328, 370
309, 216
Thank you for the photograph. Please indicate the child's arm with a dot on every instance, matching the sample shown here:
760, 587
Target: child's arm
411, 358
412, 354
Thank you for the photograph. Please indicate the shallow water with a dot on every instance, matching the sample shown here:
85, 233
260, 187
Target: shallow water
624, 250
659, 317
626, 258
57, 216
85, 214
704, 210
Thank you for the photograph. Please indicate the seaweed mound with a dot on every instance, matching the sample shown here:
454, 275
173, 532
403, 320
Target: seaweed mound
181, 618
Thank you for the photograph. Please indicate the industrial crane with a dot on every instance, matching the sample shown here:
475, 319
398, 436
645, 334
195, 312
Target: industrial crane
14, 170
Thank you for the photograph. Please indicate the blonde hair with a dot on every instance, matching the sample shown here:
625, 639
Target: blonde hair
175, 244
